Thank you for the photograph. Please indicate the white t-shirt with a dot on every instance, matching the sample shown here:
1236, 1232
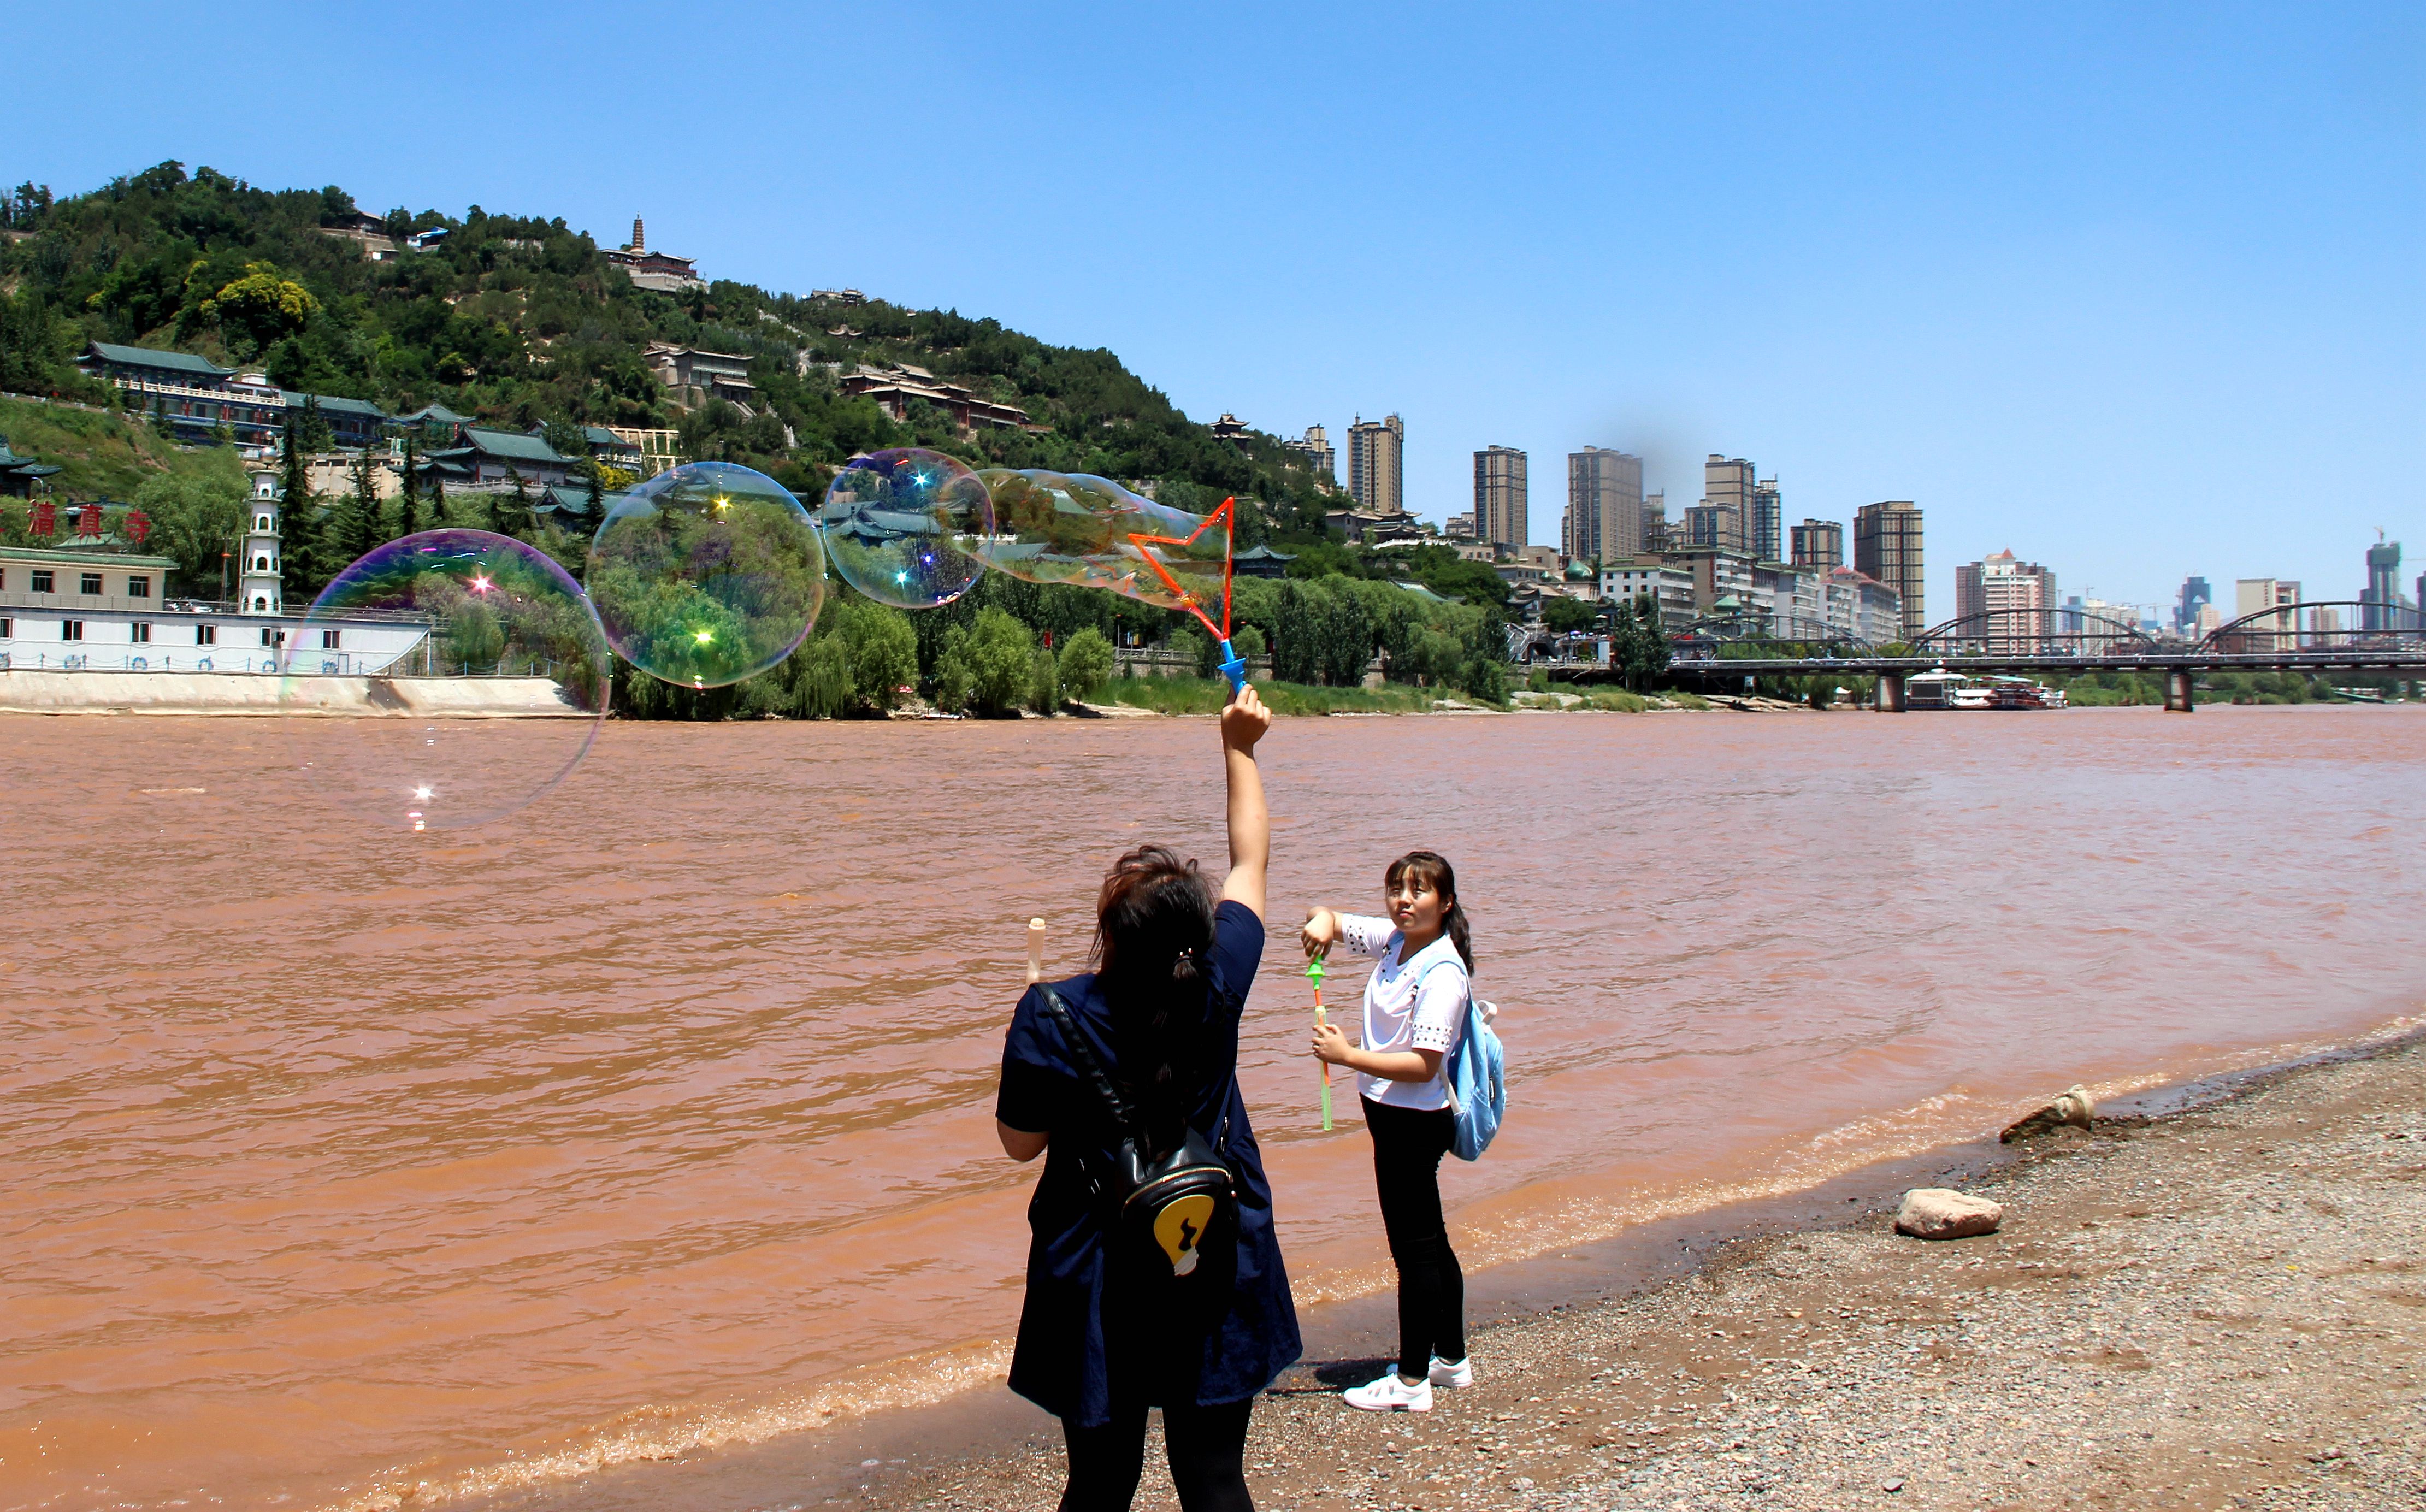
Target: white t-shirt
1412, 1004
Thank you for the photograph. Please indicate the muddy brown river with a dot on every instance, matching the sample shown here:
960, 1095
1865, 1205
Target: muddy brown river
340, 1162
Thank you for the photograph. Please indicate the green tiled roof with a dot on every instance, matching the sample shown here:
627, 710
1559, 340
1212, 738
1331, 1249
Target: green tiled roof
330, 405
428, 413
167, 362
512, 447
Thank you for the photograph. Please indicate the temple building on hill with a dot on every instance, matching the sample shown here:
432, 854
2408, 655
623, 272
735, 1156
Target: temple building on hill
893, 389
21, 476
661, 271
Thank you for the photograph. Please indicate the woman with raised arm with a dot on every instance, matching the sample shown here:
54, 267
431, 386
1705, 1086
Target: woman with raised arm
1154, 1278
1414, 1002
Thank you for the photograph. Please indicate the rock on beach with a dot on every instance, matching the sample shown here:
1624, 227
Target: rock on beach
1942, 1213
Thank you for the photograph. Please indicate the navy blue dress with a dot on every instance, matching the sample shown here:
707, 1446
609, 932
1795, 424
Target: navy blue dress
1098, 1325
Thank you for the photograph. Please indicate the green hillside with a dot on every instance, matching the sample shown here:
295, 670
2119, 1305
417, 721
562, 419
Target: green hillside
519, 320
101, 453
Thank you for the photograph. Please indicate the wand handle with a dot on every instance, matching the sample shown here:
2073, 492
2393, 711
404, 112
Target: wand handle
1314, 975
1234, 667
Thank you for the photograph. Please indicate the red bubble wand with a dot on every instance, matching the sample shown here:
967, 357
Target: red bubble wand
1234, 667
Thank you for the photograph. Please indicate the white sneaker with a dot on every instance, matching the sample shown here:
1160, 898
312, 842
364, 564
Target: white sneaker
1452, 1373
1390, 1394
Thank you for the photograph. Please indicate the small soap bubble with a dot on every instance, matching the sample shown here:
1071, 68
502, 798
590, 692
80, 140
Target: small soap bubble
708, 573
444, 680
901, 526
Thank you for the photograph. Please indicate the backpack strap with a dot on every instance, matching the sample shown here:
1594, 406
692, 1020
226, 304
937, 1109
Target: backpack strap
1113, 1101
1464, 1012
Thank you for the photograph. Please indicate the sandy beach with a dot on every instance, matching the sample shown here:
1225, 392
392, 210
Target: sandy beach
2222, 1306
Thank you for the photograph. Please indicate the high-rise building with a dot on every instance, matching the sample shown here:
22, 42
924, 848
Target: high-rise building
2011, 602
1316, 448
2196, 595
2382, 595
1727, 485
1655, 522
1604, 505
1375, 450
1500, 496
2258, 596
1768, 539
1712, 524
1887, 546
1819, 543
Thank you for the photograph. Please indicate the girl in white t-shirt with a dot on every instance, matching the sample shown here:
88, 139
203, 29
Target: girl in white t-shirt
1415, 1003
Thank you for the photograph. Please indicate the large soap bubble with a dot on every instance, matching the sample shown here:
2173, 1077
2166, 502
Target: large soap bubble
1074, 528
708, 573
902, 526
444, 680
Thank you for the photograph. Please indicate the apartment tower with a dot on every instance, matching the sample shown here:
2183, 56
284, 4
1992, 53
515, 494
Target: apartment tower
1723, 518
1763, 525
1886, 546
1818, 543
1604, 505
1500, 496
1375, 449
1316, 449
2382, 595
2014, 601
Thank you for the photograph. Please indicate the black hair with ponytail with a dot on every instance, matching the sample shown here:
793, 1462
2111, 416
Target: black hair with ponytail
1154, 930
1431, 869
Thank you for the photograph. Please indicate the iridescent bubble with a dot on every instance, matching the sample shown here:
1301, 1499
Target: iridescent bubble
444, 680
902, 526
1077, 528
706, 573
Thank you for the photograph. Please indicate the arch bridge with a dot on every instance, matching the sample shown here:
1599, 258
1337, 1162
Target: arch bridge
2342, 634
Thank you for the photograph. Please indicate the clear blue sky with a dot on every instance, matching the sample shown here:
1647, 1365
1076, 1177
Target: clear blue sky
2133, 290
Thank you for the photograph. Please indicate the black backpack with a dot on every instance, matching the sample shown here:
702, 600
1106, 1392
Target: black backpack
1171, 1200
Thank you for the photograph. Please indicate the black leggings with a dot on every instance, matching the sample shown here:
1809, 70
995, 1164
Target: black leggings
1408, 1143
1208, 1446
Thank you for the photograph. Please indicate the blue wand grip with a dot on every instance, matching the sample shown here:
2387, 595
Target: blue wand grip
1234, 667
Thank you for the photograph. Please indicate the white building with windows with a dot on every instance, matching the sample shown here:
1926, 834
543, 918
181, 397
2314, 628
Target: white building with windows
96, 607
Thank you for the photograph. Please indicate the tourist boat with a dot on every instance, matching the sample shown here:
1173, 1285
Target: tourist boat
2022, 693
1942, 689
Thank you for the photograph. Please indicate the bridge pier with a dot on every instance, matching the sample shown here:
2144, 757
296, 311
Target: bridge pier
1891, 693
2179, 694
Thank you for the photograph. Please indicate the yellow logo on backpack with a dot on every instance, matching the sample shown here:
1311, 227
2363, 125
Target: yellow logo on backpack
1179, 1226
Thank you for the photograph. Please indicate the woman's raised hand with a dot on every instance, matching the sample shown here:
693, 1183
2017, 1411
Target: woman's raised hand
1244, 721
1321, 933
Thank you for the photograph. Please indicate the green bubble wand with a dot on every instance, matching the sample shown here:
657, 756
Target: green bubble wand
1314, 975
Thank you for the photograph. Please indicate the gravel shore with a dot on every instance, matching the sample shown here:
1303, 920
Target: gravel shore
2220, 1308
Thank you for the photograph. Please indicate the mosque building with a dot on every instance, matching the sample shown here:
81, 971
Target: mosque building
96, 601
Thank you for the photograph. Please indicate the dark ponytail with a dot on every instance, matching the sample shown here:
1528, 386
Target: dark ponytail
1154, 926
1432, 870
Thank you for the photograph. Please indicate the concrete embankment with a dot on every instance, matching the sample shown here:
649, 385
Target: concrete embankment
236, 693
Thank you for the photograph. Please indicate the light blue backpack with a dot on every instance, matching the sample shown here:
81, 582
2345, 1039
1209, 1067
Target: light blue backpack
1476, 1079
